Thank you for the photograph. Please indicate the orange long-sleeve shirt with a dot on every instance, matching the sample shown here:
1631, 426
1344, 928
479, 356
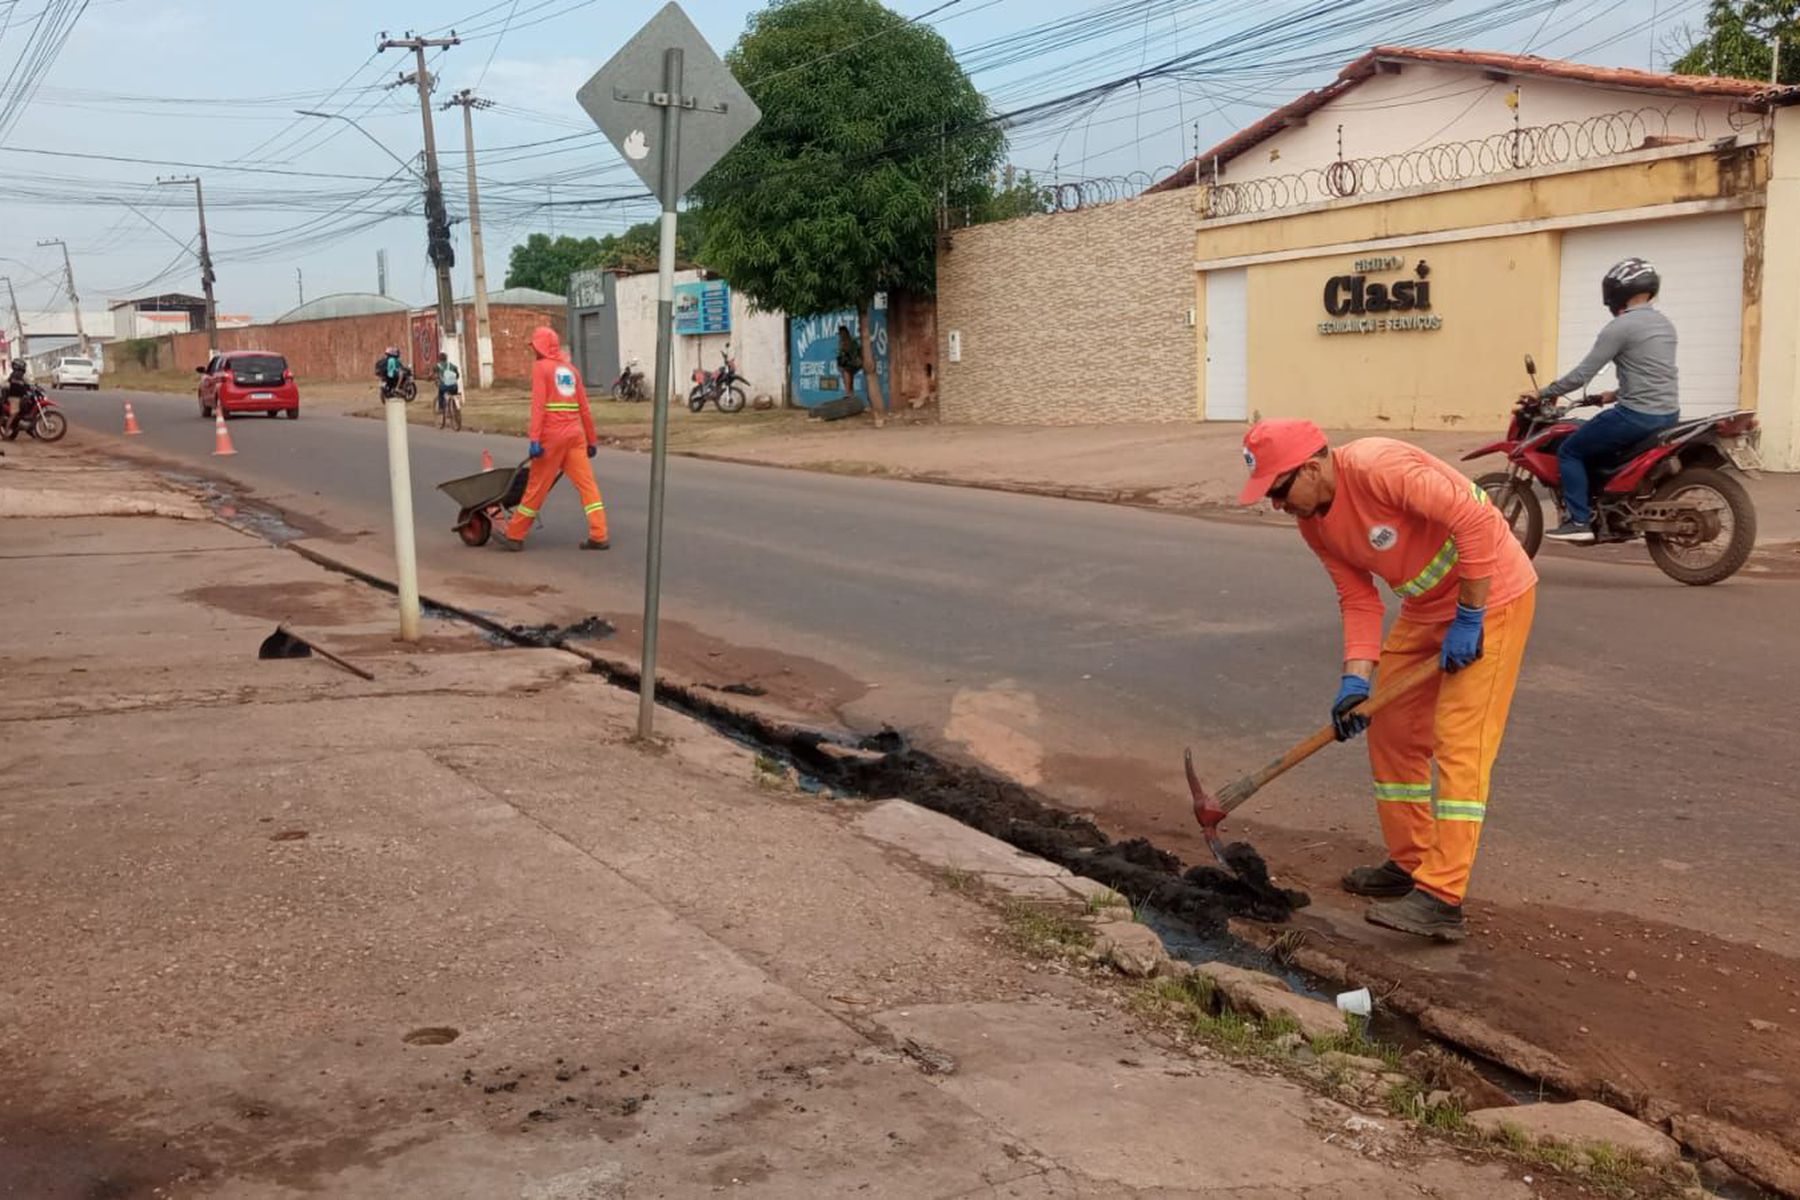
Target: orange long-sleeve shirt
558, 399
1419, 525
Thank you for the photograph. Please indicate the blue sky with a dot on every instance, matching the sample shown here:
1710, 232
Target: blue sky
214, 83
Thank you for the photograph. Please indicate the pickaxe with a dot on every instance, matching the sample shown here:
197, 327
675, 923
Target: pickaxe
1210, 811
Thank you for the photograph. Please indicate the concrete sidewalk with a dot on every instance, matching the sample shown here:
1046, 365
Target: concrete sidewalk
1183, 468
273, 930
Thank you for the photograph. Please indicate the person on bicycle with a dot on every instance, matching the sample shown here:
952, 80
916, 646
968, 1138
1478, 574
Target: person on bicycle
1640, 344
449, 380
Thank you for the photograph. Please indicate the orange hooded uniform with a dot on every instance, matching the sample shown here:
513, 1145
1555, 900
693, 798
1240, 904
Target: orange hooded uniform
1422, 527
563, 426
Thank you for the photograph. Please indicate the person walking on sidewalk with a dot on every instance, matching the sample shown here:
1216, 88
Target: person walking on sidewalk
1640, 343
562, 442
1377, 507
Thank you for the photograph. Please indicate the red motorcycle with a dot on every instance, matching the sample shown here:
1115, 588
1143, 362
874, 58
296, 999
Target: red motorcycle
37, 415
724, 387
1677, 488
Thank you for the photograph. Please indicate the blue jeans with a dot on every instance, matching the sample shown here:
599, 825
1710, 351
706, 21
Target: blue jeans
1597, 440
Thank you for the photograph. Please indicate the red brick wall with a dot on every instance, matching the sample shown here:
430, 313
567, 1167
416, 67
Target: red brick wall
912, 347
510, 328
337, 349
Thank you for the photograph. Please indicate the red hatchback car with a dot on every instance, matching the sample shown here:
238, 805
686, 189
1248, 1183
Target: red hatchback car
248, 381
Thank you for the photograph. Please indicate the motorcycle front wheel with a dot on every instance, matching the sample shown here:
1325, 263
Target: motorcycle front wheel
733, 399
50, 427
1722, 509
1518, 503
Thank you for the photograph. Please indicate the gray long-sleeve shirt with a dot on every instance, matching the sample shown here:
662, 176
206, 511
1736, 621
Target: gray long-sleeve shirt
1640, 343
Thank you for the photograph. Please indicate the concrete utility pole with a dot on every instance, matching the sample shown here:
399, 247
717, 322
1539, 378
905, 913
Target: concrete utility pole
437, 218
18, 321
381, 271
300, 284
468, 101
206, 265
74, 300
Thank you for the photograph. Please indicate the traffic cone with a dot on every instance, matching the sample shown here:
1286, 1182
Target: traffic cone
487, 461
221, 438
131, 425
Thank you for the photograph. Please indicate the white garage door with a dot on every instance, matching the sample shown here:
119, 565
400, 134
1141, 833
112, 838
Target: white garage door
1227, 346
1701, 260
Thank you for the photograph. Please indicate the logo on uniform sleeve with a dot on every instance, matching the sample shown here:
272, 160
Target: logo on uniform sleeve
565, 381
1383, 537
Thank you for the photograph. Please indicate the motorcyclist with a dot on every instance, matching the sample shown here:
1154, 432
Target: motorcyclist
14, 394
1640, 342
390, 370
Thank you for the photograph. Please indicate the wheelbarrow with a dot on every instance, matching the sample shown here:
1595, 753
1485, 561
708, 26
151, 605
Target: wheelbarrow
485, 498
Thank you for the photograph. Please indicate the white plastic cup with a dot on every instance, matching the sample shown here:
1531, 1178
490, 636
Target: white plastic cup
1356, 1004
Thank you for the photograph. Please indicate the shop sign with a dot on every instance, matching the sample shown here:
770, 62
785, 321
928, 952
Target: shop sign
702, 308
1358, 304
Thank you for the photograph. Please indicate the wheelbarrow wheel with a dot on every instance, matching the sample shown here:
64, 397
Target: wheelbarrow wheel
476, 530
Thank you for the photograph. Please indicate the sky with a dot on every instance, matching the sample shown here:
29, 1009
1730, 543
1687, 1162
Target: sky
299, 205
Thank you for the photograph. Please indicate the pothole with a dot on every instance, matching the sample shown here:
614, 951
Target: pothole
432, 1035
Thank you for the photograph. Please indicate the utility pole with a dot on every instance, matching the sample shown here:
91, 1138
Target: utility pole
381, 271
437, 218
468, 101
206, 265
18, 321
74, 300
1775, 62
300, 284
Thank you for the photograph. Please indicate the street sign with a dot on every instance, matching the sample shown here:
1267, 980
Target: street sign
625, 99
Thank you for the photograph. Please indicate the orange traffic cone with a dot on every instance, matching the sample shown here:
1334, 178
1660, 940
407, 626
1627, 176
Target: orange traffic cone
221, 439
487, 461
131, 425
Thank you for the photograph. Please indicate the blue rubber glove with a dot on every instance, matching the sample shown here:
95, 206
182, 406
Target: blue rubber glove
537, 450
593, 450
1345, 720
1463, 640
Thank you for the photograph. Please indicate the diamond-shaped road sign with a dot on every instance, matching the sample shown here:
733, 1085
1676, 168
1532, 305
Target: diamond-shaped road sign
626, 98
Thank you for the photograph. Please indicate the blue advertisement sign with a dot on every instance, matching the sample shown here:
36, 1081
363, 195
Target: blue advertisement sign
703, 307
813, 350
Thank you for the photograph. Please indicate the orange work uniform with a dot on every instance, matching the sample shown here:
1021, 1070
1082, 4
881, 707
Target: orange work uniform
563, 426
1419, 525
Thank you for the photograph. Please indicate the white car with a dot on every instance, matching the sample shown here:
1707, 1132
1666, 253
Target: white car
75, 372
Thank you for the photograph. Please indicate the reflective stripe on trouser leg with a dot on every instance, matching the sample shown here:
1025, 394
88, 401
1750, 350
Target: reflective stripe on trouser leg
1472, 708
537, 486
1400, 747
580, 470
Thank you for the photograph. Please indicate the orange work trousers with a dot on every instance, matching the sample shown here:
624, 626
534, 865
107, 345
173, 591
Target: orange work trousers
1457, 721
564, 453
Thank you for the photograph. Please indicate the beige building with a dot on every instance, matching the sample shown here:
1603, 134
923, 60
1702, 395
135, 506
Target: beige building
1383, 252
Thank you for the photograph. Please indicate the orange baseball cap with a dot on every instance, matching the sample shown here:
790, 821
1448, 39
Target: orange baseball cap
1272, 449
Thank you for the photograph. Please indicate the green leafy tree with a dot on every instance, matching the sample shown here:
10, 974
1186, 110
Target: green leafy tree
868, 125
1014, 194
1739, 40
540, 262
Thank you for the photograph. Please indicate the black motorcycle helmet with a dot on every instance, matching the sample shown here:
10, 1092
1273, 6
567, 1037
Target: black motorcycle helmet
1628, 278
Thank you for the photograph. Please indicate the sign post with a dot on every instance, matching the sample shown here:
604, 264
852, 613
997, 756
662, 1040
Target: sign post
667, 71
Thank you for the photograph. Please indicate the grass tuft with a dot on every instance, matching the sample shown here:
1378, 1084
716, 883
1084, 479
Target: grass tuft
1045, 933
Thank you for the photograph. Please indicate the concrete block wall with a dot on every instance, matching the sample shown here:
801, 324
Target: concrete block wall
1071, 318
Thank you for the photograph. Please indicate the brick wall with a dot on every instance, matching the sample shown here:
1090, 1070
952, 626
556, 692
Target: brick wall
339, 348
510, 328
1071, 318
912, 349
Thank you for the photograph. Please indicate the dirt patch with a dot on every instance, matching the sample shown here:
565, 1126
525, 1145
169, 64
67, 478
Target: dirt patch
310, 602
352, 645
497, 587
44, 1162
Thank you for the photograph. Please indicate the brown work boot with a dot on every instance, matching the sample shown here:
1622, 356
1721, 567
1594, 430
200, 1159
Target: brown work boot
1421, 914
1389, 881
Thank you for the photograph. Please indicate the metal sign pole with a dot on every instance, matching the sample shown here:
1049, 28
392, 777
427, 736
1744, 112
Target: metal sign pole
667, 192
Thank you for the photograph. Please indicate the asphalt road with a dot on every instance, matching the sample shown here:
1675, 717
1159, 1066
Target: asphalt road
1649, 766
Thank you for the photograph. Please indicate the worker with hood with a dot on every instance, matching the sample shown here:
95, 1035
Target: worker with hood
562, 442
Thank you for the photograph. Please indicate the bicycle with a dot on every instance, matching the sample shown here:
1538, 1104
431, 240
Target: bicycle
450, 409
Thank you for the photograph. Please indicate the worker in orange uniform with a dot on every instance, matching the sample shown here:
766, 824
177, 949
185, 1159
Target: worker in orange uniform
562, 442
1377, 507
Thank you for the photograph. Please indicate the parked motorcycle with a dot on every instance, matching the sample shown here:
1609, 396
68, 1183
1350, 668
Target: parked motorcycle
38, 415
1677, 488
723, 387
630, 384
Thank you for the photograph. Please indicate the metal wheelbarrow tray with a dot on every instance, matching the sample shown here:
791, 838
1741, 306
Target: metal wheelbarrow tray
485, 498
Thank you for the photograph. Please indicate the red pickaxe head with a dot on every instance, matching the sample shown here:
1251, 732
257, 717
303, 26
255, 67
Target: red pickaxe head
1208, 811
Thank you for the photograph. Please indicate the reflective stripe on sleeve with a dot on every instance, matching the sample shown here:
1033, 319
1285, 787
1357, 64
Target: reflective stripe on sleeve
596, 506
525, 510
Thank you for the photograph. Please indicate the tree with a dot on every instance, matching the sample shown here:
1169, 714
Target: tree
539, 262
1014, 194
1739, 40
868, 125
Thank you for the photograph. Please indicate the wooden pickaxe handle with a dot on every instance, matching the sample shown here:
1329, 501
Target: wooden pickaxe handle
1386, 692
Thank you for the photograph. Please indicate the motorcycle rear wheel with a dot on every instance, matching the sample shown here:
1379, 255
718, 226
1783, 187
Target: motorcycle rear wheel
1519, 504
409, 391
697, 399
50, 427
1698, 564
